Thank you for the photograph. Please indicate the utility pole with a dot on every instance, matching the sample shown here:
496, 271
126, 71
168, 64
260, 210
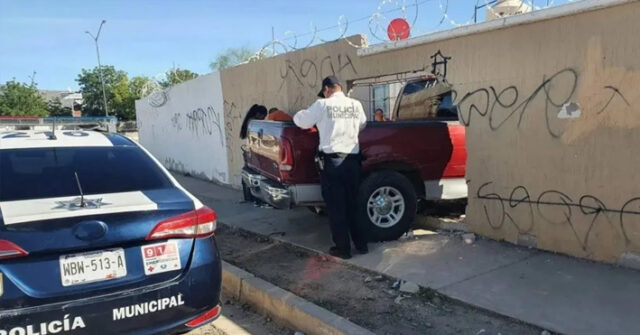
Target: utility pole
104, 93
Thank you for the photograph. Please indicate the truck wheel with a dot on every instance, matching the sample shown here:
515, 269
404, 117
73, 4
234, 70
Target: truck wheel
387, 205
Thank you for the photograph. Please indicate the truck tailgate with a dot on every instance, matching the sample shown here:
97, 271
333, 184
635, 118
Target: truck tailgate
283, 152
263, 152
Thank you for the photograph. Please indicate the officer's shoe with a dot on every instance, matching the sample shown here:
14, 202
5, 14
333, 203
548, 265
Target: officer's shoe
363, 249
335, 252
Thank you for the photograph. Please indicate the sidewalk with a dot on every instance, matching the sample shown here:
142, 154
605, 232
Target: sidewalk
555, 292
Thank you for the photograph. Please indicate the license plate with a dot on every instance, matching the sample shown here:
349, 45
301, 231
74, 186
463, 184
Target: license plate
91, 267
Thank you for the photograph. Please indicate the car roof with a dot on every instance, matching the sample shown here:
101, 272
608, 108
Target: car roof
27, 139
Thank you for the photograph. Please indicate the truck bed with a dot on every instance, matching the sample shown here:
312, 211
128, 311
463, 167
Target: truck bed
431, 150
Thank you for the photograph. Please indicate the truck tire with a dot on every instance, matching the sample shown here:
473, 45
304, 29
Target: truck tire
387, 204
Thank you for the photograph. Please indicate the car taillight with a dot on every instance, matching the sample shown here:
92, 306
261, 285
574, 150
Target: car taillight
208, 316
197, 224
10, 250
286, 155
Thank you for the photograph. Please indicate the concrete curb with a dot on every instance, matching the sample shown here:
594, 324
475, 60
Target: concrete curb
283, 306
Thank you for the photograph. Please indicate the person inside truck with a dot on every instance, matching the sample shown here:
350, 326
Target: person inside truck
256, 112
276, 114
379, 116
339, 120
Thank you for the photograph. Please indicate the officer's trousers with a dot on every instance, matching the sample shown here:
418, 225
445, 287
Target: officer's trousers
340, 180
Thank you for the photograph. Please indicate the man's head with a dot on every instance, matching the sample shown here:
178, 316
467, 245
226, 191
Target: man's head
330, 85
379, 115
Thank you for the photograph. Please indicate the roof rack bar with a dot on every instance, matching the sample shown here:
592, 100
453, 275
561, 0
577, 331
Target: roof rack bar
108, 122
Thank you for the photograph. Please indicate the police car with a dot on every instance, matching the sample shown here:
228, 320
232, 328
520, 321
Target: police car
96, 237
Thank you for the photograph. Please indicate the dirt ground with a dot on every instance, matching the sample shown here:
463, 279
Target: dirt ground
361, 296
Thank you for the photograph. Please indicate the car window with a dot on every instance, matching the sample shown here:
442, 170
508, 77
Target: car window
427, 99
49, 172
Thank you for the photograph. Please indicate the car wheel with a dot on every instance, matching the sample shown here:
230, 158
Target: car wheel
387, 205
317, 210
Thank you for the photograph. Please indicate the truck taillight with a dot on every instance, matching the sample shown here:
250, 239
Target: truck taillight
199, 223
10, 250
286, 155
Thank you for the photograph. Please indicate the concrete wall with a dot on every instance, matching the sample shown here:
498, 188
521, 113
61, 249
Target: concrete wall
184, 128
553, 110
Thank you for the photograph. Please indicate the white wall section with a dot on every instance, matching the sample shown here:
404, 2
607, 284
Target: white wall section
184, 128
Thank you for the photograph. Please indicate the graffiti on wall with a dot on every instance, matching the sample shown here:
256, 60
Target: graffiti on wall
439, 64
176, 121
581, 215
205, 122
497, 105
310, 71
233, 117
199, 122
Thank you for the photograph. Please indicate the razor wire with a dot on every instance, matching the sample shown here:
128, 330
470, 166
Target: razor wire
378, 21
376, 24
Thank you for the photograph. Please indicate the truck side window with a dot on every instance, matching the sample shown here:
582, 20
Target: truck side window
427, 99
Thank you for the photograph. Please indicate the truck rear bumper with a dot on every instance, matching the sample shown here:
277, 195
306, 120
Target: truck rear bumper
269, 191
279, 195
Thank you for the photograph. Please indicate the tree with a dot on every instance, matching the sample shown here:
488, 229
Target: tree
232, 57
55, 108
20, 99
177, 76
141, 86
116, 82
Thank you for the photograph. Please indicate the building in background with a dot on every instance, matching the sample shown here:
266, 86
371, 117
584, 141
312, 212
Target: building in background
72, 100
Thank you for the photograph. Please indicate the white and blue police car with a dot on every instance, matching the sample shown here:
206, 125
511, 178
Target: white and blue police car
96, 237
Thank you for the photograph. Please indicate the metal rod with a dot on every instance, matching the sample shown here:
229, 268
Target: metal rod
82, 203
104, 93
475, 11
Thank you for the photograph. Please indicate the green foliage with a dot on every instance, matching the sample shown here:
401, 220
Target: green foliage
141, 86
19, 99
232, 57
116, 84
55, 108
177, 76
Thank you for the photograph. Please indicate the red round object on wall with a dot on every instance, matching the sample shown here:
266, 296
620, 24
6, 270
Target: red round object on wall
398, 29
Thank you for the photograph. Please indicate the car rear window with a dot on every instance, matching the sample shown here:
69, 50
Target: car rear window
49, 172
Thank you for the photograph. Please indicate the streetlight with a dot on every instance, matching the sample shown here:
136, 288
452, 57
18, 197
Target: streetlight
95, 39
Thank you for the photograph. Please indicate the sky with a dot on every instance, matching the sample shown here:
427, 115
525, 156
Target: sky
150, 37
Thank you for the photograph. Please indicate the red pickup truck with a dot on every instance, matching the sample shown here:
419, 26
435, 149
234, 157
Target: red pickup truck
419, 155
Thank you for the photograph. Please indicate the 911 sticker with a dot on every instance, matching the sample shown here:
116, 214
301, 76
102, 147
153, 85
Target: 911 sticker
161, 257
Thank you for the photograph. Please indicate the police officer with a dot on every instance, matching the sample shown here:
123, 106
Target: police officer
339, 120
